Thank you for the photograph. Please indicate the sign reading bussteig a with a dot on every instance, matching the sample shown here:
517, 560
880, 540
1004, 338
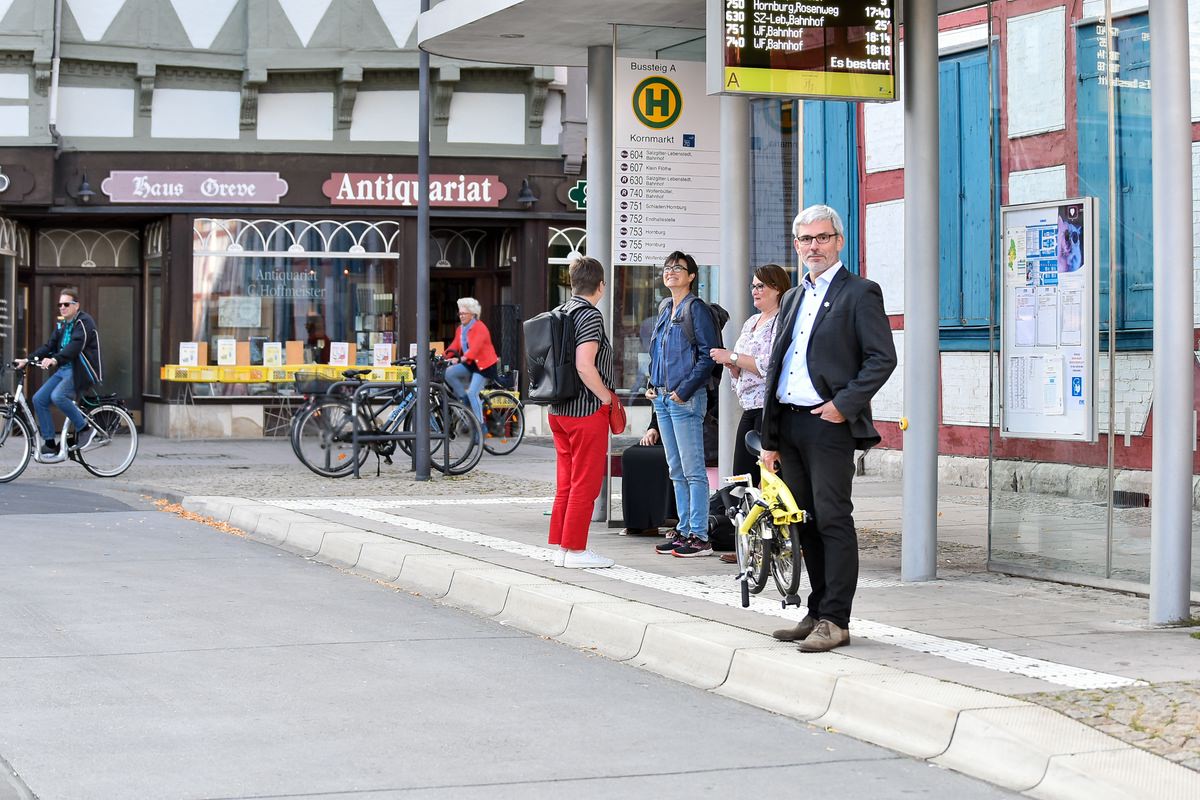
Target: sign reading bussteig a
666, 162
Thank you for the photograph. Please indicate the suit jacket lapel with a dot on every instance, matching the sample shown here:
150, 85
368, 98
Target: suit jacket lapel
789, 306
835, 288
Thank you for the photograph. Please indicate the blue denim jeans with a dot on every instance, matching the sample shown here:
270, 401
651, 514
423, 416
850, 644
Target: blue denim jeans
681, 426
59, 389
466, 385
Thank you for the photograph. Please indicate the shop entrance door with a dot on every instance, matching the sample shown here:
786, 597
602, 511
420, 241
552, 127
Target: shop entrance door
112, 300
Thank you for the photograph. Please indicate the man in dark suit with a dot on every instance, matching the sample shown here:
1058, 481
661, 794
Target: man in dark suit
833, 351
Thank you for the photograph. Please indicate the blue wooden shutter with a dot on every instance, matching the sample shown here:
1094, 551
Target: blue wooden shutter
831, 166
1135, 250
964, 201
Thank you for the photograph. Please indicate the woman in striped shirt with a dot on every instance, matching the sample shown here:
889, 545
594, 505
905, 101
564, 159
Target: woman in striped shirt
580, 425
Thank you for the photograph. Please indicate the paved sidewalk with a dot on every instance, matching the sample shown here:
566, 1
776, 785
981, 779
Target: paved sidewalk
1087, 653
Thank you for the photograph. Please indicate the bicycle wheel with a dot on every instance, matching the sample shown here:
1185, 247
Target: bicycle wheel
503, 423
464, 439
323, 440
115, 444
16, 445
786, 559
294, 425
752, 553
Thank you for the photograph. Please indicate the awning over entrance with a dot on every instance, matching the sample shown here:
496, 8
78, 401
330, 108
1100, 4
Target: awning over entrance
557, 33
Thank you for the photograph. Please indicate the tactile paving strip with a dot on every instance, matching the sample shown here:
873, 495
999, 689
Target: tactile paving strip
708, 588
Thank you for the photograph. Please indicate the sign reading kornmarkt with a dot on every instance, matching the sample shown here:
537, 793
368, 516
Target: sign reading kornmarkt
394, 189
802, 48
666, 162
148, 186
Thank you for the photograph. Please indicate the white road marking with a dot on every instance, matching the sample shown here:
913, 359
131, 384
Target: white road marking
708, 588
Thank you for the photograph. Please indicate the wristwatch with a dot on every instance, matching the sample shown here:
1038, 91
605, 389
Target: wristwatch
733, 357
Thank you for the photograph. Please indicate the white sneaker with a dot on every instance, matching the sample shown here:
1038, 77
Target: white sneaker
560, 553
585, 559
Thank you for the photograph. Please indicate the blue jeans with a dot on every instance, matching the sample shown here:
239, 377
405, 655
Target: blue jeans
59, 389
681, 426
466, 385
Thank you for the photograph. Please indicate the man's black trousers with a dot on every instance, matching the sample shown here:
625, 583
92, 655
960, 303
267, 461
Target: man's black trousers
817, 464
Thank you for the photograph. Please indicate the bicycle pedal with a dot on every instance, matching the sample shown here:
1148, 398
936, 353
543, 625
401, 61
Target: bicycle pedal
387, 459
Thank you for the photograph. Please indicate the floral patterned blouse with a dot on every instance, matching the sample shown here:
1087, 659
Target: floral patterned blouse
751, 389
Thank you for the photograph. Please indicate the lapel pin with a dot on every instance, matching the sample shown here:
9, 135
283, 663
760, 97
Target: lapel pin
827, 304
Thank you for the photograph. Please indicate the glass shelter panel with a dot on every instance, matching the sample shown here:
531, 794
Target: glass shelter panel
1077, 131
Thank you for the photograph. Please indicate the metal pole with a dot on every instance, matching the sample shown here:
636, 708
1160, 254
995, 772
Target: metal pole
734, 271
1174, 361
421, 418
600, 191
1110, 45
918, 549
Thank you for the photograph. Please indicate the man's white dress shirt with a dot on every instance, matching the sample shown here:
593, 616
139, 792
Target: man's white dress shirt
795, 384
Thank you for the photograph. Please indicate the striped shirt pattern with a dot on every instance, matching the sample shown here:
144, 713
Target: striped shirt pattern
589, 327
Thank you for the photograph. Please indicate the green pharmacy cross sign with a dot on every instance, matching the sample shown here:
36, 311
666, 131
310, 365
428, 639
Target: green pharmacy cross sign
578, 195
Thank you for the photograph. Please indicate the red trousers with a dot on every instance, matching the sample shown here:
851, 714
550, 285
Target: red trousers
582, 446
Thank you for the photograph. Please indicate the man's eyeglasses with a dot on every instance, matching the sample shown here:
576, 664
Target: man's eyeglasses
820, 238
65, 305
757, 287
674, 268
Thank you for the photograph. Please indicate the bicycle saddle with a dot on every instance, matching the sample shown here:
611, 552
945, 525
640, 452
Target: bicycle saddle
351, 374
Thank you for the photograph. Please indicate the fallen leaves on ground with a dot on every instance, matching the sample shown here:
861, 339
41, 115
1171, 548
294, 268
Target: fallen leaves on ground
180, 511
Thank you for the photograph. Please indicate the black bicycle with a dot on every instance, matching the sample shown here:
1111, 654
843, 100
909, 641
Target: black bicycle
323, 432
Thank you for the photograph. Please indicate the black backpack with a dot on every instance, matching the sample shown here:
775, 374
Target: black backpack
550, 358
719, 316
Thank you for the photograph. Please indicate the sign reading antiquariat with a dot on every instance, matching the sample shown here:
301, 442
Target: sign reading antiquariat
200, 186
393, 189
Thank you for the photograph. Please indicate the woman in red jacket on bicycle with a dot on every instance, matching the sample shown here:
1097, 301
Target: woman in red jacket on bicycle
471, 356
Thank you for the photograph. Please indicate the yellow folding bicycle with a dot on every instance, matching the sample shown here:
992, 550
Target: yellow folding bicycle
767, 539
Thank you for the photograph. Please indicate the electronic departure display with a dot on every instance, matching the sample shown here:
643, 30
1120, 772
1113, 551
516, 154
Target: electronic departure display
803, 48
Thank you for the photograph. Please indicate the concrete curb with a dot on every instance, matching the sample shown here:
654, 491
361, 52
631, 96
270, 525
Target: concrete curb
1003, 740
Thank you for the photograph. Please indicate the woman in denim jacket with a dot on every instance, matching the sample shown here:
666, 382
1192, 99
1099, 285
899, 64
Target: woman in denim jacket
679, 373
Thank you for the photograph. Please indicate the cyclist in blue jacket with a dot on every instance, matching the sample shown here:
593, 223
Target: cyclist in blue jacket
73, 352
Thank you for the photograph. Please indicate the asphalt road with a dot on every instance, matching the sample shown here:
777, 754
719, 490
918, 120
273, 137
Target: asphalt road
147, 656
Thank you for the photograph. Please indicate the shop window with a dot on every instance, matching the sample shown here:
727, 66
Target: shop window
566, 244
152, 302
964, 201
90, 249
14, 254
1133, 237
451, 248
304, 284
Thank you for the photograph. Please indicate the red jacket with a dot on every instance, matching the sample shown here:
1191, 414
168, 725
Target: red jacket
480, 352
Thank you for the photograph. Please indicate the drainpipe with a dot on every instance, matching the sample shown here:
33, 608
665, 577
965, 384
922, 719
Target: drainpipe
54, 62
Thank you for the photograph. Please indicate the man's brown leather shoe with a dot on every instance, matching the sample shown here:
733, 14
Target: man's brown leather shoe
797, 633
826, 636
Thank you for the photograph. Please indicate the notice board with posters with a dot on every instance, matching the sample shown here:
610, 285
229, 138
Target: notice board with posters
1049, 331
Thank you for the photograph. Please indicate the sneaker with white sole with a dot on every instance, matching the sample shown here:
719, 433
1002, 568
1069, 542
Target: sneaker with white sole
85, 438
585, 559
693, 548
560, 553
668, 547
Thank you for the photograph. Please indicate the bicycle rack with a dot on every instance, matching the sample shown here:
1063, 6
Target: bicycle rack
360, 437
